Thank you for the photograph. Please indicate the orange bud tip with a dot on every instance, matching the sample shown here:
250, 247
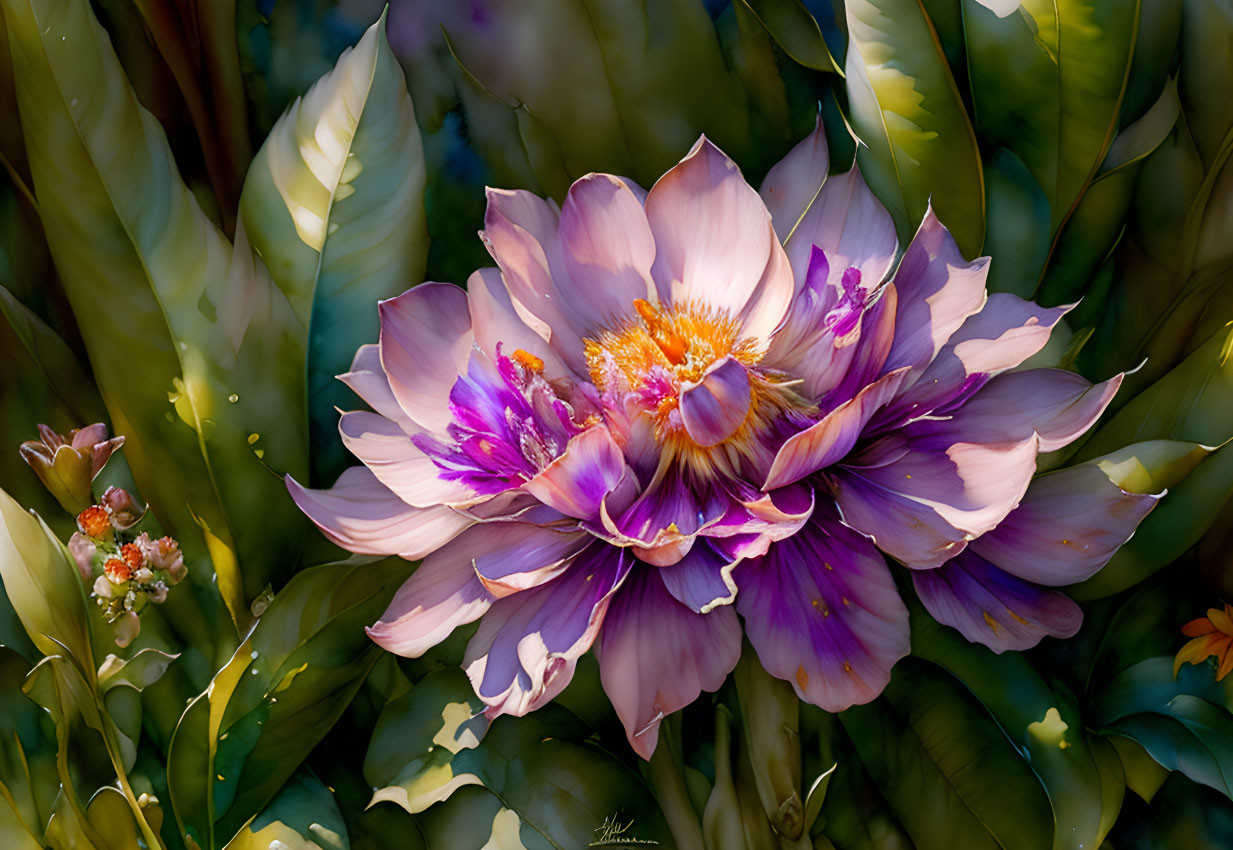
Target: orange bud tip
94, 521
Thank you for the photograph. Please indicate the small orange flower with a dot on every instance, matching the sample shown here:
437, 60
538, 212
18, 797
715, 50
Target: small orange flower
132, 555
117, 571
1210, 636
94, 522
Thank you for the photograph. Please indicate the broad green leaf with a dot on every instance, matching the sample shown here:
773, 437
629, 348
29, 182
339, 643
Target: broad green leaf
13, 831
334, 204
795, 30
28, 780
284, 688
193, 349
1017, 234
1047, 82
112, 819
304, 816
1144, 775
43, 584
1043, 724
1160, 23
143, 669
946, 768
907, 110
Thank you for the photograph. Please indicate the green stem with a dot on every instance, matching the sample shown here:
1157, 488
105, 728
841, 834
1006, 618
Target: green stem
668, 779
153, 841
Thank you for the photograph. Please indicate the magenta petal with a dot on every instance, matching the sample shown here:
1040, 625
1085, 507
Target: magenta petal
576, 483
516, 556
442, 594
713, 235
715, 407
1067, 527
1058, 405
793, 183
822, 611
656, 656
367, 379
701, 580
527, 645
831, 438
938, 290
360, 514
606, 248
924, 506
387, 450
992, 607
425, 342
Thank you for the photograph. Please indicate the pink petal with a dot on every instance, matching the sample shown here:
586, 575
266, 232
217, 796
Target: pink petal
1067, 527
832, 437
793, 183
516, 556
822, 611
441, 595
938, 290
367, 379
496, 321
527, 645
425, 342
715, 407
577, 482
923, 507
387, 450
360, 514
656, 656
992, 607
712, 233
606, 249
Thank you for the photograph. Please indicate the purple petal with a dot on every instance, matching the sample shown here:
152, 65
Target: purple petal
526, 647
832, 437
938, 290
387, 450
368, 380
669, 510
516, 556
992, 607
793, 183
715, 407
1067, 527
577, 482
822, 611
865, 352
713, 235
442, 594
701, 580
606, 248
425, 342
656, 656
924, 506
360, 514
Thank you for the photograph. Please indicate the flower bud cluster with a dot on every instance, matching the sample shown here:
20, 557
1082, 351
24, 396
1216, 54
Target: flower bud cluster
126, 571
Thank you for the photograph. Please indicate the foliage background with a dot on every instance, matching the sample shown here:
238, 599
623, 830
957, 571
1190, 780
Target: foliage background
186, 259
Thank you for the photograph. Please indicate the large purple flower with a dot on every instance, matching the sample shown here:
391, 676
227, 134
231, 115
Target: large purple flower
659, 397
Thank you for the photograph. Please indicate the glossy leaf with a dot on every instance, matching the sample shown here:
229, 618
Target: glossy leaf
28, 779
1047, 82
284, 688
795, 30
1017, 238
194, 350
334, 204
907, 110
304, 816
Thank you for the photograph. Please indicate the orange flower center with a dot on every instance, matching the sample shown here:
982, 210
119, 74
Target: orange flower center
94, 521
132, 555
117, 570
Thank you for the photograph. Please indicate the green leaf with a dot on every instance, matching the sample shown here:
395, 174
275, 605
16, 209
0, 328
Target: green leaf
1017, 235
304, 816
193, 349
1047, 83
1144, 775
795, 30
945, 767
1043, 724
43, 584
28, 780
110, 816
284, 688
906, 108
334, 204
140, 671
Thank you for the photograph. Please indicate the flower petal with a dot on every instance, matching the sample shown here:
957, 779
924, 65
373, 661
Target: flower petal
362, 515
713, 235
442, 594
387, 450
938, 290
656, 656
425, 342
516, 556
832, 437
1067, 527
993, 607
527, 644
822, 611
577, 482
368, 380
495, 321
793, 183
715, 407
701, 580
